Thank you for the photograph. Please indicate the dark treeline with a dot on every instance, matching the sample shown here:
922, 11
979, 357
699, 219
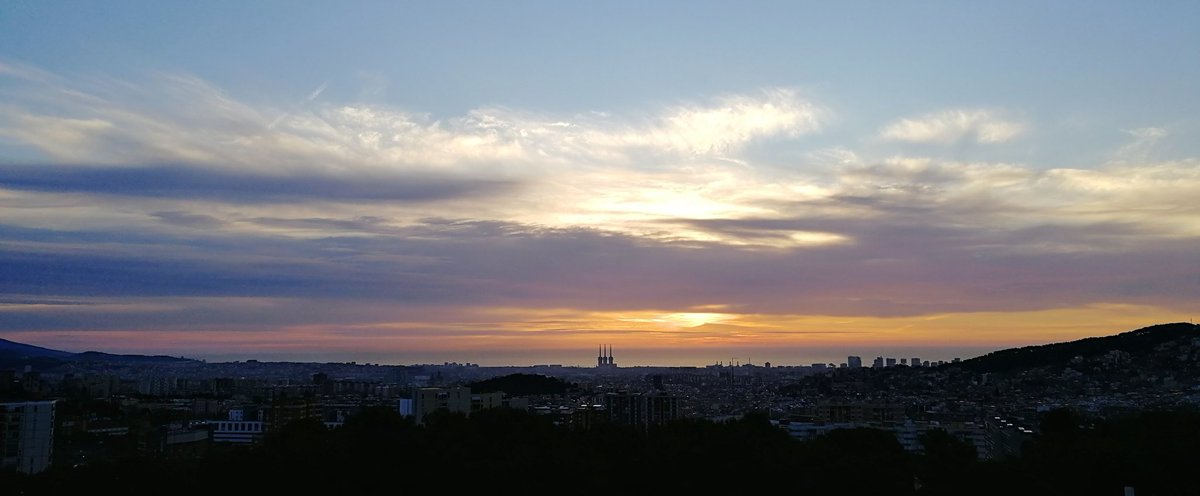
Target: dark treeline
507, 451
522, 385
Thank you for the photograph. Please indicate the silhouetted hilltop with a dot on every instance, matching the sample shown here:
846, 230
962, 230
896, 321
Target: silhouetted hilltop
1132, 345
21, 350
14, 354
522, 385
97, 356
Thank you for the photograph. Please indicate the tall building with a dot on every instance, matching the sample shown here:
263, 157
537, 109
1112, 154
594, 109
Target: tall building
854, 362
641, 410
891, 362
26, 435
878, 363
587, 416
283, 411
915, 362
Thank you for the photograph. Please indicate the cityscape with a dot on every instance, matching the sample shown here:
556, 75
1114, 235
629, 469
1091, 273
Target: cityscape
823, 248
80, 410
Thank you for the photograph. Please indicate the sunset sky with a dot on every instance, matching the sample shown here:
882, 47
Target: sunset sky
519, 182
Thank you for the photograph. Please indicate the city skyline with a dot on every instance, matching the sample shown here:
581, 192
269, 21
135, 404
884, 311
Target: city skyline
515, 183
827, 358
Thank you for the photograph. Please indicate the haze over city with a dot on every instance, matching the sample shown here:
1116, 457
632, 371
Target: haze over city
519, 182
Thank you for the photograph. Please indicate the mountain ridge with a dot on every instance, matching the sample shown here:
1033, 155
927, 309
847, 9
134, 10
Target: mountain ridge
13, 353
29, 350
1138, 342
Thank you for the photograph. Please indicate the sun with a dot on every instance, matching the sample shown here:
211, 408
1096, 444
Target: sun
693, 319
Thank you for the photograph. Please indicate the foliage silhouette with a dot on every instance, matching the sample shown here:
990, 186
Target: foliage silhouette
378, 451
522, 385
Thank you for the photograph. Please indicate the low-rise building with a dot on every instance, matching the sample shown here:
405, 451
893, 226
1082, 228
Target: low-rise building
458, 399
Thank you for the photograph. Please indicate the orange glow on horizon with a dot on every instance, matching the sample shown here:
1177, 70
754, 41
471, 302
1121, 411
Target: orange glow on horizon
479, 331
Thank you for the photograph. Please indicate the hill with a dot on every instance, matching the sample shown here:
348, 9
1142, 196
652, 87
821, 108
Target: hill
522, 385
1139, 343
96, 356
22, 350
17, 355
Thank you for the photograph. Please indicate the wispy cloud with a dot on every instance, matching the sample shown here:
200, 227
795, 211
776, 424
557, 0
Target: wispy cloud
731, 123
1146, 133
189, 139
316, 92
951, 126
191, 122
26, 72
1142, 145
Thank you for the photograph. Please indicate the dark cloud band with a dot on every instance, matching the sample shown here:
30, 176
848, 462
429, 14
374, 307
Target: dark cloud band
186, 182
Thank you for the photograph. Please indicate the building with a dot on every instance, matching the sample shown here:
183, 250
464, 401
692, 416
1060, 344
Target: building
1005, 438
453, 399
26, 435
914, 361
185, 441
854, 362
878, 363
841, 412
807, 431
8, 380
246, 432
238, 430
283, 411
641, 410
891, 362
587, 416
908, 433
484, 401
157, 385
429, 400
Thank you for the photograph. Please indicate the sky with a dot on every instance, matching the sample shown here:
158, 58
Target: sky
520, 182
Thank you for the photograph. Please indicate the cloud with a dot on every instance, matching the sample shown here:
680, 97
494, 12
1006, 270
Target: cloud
184, 120
940, 252
26, 72
316, 92
1141, 148
185, 181
1009, 196
730, 124
189, 219
178, 137
171, 205
952, 126
1147, 132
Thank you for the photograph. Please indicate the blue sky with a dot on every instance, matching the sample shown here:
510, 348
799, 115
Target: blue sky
237, 178
1106, 60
